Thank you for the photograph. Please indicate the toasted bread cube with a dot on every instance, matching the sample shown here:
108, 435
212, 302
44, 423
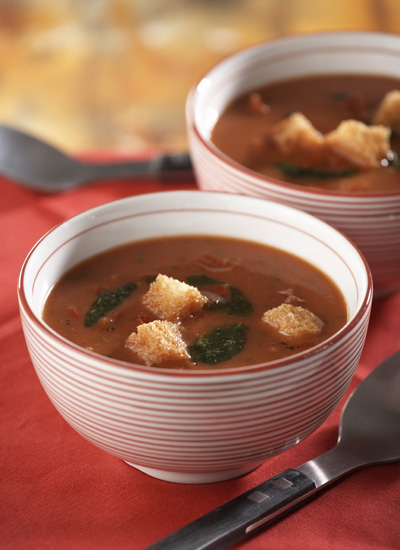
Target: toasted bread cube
362, 145
296, 133
388, 112
293, 321
173, 300
157, 342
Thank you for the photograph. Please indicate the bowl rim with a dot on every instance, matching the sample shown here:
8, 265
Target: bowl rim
220, 156
110, 363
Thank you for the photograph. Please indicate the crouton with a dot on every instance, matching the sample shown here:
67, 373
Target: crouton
362, 145
293, 321
388, 112
173, 300
296, 133
157, 342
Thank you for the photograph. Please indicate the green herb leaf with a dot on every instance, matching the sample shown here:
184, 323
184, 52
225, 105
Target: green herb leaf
220, 344
201, 279
339, 95
238, 304
296, 171
394, 160
108, 300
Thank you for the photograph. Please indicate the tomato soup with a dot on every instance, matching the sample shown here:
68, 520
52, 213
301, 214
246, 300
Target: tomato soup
99, 303
247, 132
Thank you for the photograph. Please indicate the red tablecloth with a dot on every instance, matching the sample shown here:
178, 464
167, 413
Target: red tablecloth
58, 491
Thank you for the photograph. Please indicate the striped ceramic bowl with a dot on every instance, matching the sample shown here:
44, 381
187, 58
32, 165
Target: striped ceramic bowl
194, 426
372, 221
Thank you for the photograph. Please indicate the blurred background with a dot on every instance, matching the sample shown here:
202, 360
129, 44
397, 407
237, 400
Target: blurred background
90, 75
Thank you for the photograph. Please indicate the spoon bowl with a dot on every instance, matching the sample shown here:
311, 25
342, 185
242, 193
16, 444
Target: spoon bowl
40, 166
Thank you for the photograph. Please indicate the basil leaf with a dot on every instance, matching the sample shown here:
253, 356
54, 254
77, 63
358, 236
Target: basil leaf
106, 301
394, 160
339, 95
296, 171
220, 344
238, 304
201, 279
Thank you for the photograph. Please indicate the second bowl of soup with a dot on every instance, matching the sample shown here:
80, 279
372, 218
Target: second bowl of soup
312, 121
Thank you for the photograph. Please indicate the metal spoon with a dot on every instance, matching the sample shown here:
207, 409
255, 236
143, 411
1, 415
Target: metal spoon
369, 433
40, 166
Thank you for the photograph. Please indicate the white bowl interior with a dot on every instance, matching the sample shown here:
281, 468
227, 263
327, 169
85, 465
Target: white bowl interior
287, 58
193, 212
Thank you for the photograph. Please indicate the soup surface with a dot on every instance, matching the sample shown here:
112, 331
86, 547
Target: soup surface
99, 303
254, 131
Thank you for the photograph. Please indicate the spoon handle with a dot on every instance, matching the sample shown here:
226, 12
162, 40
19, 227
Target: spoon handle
242, 516
163, 167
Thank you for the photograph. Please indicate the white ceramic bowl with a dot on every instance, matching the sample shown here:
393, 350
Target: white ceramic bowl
194, 426
372, 221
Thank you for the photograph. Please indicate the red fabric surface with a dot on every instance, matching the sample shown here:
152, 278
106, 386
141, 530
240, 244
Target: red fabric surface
58, 491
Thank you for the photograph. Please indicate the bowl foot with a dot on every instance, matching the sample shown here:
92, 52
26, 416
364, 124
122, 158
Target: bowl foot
195, 477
